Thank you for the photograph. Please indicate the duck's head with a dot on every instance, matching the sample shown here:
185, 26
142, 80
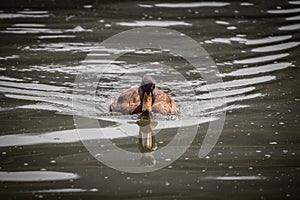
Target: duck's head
147, 92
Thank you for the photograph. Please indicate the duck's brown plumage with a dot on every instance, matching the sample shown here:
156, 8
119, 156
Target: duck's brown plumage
130, 101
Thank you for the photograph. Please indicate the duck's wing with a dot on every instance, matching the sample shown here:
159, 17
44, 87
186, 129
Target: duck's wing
164, 104
127, 102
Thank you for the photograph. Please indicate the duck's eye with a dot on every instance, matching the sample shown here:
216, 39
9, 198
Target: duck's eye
153, 87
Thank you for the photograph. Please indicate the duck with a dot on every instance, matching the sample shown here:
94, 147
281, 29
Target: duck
144, 99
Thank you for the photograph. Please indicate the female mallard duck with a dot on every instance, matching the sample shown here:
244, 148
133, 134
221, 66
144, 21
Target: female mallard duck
144, 99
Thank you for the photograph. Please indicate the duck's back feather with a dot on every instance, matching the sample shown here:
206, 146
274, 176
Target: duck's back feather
128, 102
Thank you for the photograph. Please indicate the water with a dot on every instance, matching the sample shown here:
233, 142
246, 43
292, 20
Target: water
255, 46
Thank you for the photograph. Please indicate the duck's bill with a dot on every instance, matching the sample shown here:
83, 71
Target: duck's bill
147, 103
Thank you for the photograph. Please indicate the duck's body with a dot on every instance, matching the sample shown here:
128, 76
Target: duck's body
145, 98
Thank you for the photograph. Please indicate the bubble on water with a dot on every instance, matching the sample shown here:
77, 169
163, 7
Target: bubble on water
246, 4
87, 6
231, 27
222, 22
273, 143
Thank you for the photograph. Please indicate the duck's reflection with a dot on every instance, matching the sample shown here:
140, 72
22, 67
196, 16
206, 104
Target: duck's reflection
146, 135
146, 140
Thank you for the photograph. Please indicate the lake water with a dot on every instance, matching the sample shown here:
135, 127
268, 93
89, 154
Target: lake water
255, 45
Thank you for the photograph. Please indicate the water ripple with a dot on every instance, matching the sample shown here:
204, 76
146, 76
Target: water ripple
192, 5
217, 94
36, 176
126, 128
266, 40
33, 12
258, 69
61, 190
237, 83
261, 59
154, 23
284, 11
5, 78
294, 2
18, 15
23, 30
9, 57
31, 28
277, 47
55, 36
235, 178
289, 27
240, 40
33, 86
29, 25
293, 18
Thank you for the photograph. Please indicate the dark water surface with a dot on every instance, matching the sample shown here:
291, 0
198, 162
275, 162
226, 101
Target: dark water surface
255, 45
